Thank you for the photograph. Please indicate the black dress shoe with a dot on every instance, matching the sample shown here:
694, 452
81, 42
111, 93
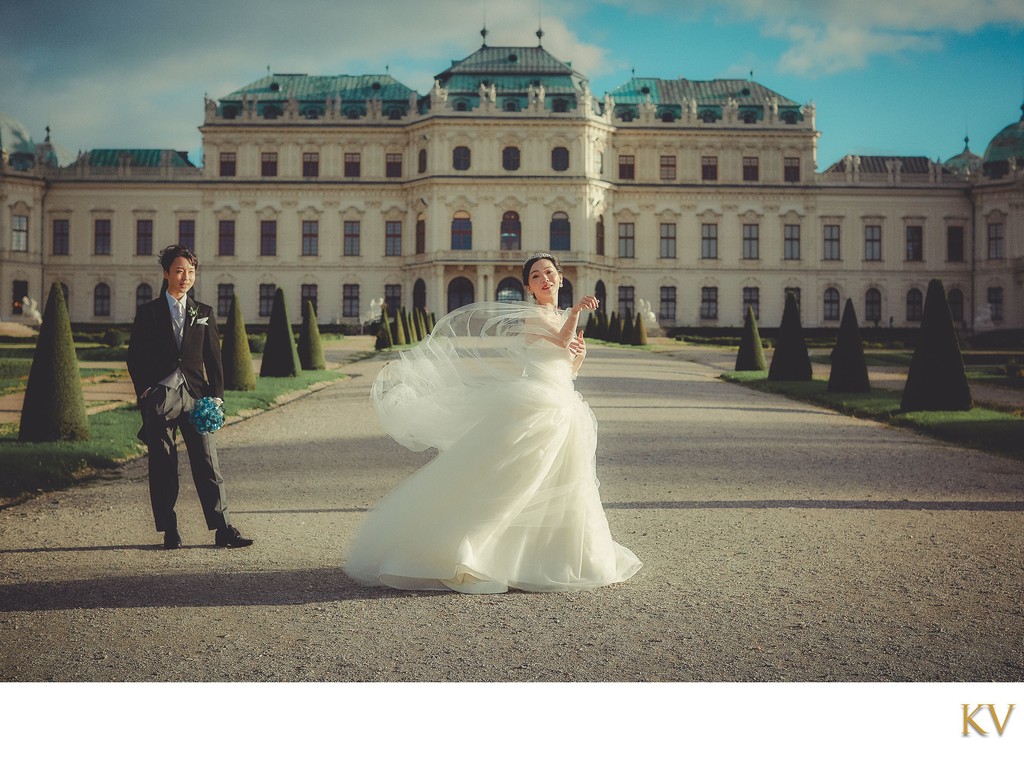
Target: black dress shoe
229, 537
172, 540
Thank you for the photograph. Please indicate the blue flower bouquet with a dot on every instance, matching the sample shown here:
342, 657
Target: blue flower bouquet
206, 416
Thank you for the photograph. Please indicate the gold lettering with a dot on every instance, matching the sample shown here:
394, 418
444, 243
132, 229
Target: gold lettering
995, 719
969, 720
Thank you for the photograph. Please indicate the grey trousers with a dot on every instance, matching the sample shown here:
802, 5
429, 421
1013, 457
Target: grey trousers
164, 411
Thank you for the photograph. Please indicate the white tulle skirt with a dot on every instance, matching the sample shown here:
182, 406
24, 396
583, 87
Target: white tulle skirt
511, 500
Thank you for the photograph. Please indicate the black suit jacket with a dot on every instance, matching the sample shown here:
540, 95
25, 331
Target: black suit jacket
153, 353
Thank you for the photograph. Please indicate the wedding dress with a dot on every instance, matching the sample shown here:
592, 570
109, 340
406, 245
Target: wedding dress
511, 499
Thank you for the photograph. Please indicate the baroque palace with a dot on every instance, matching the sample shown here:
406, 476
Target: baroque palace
693, 198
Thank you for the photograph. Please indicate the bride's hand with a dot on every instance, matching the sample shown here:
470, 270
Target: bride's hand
578, 346
586, 303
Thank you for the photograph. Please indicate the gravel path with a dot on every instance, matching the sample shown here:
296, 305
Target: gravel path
781, 543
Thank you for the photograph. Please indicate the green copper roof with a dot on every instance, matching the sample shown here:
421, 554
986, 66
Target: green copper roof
1009, 143
141, 158
671, 94
274, 90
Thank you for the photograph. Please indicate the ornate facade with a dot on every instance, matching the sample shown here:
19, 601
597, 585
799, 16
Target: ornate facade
697, 198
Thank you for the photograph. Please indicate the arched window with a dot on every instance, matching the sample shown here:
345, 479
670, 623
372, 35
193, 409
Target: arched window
956, 305
601, 294
510, 290
462, 231
565, 299
460, 293
873, 306
511, 231
560, 231
510, 158
101, 300
560, 159
511, 106
460, 158
915, 305
143, 294
831, 304
419, 295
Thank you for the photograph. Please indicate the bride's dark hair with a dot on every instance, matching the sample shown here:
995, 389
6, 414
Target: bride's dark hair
538, 257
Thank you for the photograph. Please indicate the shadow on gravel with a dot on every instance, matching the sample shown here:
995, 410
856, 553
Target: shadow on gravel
864, 505
206, 590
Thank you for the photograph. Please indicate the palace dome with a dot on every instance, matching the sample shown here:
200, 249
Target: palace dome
1006, 146
966, 163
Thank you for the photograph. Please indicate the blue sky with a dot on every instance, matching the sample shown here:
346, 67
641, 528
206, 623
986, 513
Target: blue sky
888, 78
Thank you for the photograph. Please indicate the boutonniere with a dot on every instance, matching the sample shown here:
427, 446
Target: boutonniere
204, 321
193, 312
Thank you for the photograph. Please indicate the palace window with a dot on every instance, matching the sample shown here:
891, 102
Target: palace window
144, 236
19, 234
143, 294
627, 167
225, 294
510, 158
667, 168
791, 169
794, 291
955, 244
627, 240
560, 159
709, 241
626, 300
187, 233
351, 244
751, 169
268, 164
830, 247
831, 304
392, 238
393, 166
227, 165
915, 304
310, 238
791, 242
461, 158
267, 292
599, 236
709, 168
353, 165
751, 242
560, 231
421, 234
511, 231
915, 243
996, 249
61, 236
350, 300
667, 309
268, 238
873, 306
709, 302
101, 236
393, 297
308, 294
310, 164
20, 290
421, 164
752, 299
667, 244
995, 303
101, 300
226, 237
462, 231
872, 242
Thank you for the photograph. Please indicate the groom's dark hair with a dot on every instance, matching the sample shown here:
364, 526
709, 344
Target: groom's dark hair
169, 253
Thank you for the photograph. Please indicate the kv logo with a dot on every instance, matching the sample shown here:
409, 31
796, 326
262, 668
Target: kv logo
970, 723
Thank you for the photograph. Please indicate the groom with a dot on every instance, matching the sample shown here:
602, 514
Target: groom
174, 358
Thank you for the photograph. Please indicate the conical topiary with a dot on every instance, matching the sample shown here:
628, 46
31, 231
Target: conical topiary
280, 358
410, 333
614, 328
54, 407
602, 326
790, 363
421, 323
751, 354
626, 335
384, 340
849, 369
311, 351
235, 353
936, 380
398, 329
639, 331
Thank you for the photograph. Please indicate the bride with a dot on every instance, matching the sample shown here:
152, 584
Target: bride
511, 500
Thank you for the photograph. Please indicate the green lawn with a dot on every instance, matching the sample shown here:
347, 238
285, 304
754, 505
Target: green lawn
981, 428
43, 466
